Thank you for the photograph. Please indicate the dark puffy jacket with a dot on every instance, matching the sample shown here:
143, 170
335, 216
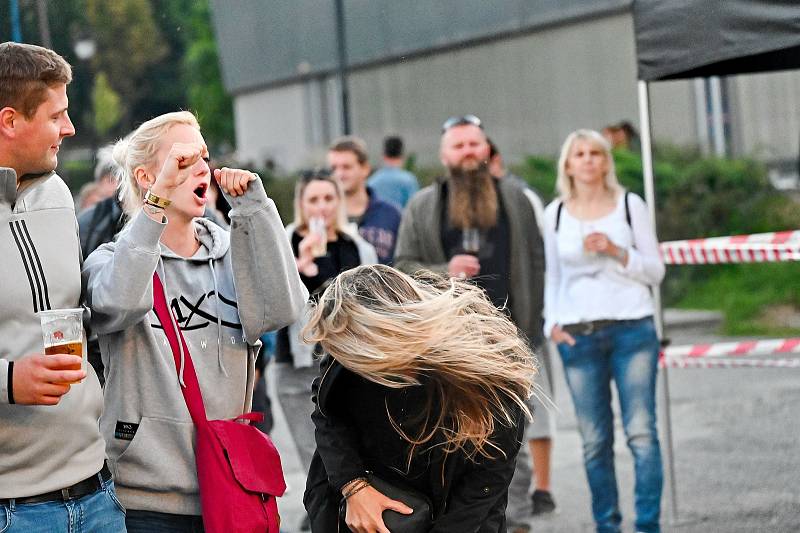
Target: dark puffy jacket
472, 497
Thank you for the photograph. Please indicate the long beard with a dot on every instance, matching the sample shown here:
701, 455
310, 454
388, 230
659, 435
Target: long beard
471, 198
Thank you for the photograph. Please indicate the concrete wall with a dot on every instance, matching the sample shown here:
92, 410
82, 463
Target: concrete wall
765, 110
530, 90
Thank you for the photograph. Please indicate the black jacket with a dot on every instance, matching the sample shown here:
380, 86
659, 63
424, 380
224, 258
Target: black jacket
472, 497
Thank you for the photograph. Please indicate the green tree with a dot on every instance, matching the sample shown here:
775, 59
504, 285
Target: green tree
107, 106
205, 91
129, 43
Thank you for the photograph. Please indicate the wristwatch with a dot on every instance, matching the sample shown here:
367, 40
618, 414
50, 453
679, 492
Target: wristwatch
622, 254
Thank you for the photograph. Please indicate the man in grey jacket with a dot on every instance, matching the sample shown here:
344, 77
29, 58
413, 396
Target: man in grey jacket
52, 471
472, 225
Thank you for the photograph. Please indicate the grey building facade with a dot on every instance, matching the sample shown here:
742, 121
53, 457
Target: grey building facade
533, 70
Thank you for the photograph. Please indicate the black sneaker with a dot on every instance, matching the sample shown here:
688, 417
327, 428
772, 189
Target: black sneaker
542, 502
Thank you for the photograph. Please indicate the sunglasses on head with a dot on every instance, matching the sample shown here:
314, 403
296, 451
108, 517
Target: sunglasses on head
315, 174
462, 120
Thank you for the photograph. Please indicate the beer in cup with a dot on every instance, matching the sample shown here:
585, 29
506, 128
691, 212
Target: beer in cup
62, 332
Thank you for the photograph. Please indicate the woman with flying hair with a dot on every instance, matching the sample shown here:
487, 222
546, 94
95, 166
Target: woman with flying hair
423, 386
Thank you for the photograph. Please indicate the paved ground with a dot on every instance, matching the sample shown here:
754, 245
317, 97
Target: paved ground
735, 434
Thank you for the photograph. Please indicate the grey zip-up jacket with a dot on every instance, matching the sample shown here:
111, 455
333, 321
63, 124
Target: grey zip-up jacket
42, 448
235, 288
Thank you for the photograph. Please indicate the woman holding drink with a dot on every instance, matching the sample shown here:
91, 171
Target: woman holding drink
323, 246
224, 291
602, 256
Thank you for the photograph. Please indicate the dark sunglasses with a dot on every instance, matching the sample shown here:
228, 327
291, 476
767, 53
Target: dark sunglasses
462, 120
315, 174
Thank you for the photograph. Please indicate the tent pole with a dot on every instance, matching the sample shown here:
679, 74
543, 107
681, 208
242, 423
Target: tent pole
650, 198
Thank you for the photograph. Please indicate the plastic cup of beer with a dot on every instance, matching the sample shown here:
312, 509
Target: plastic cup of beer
317, 226
62, 331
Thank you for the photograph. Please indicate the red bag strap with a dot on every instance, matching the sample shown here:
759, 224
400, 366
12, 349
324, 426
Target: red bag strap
191, 392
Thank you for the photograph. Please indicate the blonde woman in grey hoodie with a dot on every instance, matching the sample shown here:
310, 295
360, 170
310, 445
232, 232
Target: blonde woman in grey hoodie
225, 290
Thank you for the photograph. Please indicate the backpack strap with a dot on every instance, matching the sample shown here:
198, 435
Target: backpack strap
558, 214
628, 210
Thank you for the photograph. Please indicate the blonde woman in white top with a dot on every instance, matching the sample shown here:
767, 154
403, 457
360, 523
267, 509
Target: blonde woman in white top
602, 257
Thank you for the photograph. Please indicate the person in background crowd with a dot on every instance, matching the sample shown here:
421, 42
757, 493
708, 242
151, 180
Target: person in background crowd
323, 246
602, 257
391, 182
423, 385
225, 290
87, 196
623, 135
377, 220
471, 225
100, 222
52, 471
520, 485
104, 184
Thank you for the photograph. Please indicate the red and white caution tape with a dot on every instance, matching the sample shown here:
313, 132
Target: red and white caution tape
756, 248
778, 237
734, 349
687, 362
732, 354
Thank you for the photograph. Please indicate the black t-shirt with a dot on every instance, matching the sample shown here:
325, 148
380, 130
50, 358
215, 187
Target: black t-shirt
342, 254
494, 253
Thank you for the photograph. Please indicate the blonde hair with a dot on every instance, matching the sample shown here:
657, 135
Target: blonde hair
139, 148
564, 184
395, 330
307, 177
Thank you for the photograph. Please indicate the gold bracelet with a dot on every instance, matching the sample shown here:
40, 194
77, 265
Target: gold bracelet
156, 201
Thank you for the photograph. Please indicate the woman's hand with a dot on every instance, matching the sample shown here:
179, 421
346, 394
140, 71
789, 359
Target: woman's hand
233, 181
177, 167
558, 336
365, 511
600, 243
305, 263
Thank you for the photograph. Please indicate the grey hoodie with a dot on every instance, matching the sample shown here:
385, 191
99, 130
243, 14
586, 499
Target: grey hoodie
42, 448
234, 289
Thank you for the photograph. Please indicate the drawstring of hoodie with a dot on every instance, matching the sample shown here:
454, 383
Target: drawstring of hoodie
163, 276
219, 319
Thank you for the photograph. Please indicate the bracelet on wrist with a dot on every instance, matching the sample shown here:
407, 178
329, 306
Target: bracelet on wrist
153, 209
358, 487
156, 201
347, 486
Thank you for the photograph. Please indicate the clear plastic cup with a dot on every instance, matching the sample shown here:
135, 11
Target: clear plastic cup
62, 332
316, 225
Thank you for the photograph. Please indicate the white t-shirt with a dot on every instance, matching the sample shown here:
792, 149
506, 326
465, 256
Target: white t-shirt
581, 287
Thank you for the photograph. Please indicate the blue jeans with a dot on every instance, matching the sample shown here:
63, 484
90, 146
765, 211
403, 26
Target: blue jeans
152, 522
626, 352
99, 512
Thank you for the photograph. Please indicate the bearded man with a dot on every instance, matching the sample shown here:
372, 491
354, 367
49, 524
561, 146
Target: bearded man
471, 225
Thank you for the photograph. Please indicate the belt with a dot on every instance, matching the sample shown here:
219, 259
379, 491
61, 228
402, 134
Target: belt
80, 489
587, 328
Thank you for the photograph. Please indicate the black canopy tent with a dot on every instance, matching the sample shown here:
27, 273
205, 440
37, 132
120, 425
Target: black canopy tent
679, 39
